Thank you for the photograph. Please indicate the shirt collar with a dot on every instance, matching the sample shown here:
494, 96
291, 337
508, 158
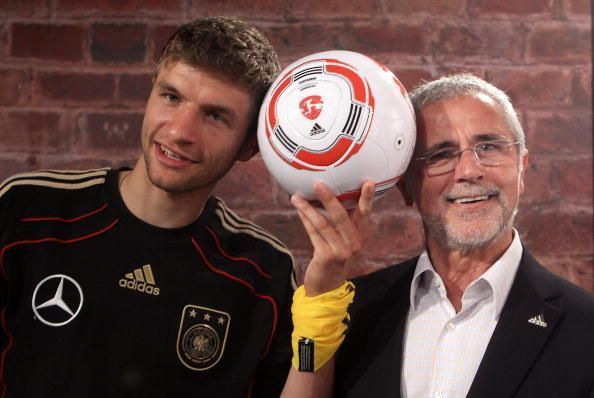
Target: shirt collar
499, 276
502, 273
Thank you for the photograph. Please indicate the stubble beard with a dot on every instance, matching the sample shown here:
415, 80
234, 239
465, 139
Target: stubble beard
178, 185
475, 232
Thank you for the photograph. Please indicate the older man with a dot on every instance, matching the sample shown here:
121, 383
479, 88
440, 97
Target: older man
475, 314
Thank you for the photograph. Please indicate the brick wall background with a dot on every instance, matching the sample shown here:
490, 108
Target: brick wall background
75, 74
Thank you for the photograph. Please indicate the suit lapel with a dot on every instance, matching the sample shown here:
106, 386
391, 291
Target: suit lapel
516, 342
392, 355
372, 367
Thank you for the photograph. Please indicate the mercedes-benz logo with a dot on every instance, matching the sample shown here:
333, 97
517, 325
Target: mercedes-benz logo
63, 306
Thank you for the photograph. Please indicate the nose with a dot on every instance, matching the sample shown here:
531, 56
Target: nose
468, 168
184, 126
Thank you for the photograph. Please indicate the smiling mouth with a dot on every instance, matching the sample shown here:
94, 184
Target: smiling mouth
473, 199
173, 155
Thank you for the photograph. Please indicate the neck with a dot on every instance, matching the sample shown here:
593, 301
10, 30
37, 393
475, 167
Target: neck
156, 206
459, 269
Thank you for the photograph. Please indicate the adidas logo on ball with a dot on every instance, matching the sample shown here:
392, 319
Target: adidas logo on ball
317, 129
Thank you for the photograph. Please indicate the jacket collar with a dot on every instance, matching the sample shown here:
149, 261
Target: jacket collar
527, 321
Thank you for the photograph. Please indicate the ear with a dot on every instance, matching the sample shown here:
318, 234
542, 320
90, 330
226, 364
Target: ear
524, 161
406, 190
249, 148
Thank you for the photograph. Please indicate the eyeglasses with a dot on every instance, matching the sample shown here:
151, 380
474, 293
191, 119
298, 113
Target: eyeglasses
488, 153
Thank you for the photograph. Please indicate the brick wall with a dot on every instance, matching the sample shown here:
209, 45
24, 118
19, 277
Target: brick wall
74, 76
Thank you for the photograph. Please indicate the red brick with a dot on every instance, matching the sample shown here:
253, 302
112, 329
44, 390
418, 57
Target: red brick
107, 133
315, 9
301, 259
24, 9
13, 163
410, 77
533, 87
113, 43
551, 231
281, 198
287, 227
555, 263
582, 271
135, 87
433, 7
32, 131
502, 41
16, 86
576, 269
49, 42
247, 185
506, 7
119, 8
395, 235
79, 162
399, 38
368, 39
573, 180
538, 182
560, 44
581, 7
76, 87
3, 38
582, 89
560, 133
453, 69
159, 36
459, 41
257, 9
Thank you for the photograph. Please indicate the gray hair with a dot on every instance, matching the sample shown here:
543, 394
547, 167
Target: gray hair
461, 84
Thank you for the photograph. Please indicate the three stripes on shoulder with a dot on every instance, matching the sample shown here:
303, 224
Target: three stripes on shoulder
66, 179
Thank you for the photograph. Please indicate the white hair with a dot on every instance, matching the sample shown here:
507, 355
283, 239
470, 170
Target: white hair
463, 84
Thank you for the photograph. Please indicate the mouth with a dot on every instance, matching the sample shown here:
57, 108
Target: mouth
170, 154
471, 195
470, 199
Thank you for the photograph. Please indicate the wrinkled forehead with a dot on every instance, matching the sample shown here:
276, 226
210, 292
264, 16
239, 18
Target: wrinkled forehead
463, 120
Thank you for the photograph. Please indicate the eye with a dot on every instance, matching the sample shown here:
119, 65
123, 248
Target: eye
170, 98
441, 155
492, 146
215, 116
218, 118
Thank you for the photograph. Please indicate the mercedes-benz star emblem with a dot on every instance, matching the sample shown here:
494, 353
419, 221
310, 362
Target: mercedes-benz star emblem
63, 306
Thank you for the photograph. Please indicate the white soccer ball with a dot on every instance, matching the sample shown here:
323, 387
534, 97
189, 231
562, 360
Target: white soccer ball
339, 117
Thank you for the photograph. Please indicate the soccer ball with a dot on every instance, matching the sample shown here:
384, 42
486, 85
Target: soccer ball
339, 117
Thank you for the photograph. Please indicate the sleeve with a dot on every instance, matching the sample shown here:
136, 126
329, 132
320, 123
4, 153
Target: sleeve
273, 369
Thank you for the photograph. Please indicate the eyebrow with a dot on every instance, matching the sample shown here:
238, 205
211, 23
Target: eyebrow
475, 139
167, 87
489, 137
205, 107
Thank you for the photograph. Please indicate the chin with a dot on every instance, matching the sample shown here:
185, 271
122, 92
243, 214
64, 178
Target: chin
473, 239
464, 235
169, 184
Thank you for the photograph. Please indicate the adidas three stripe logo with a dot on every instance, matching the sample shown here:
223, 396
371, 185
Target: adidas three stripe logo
141, 279
317, 129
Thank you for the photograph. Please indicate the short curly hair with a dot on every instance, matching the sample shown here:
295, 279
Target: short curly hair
226, 46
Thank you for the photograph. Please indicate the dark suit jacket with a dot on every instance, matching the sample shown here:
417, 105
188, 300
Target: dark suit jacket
521, 359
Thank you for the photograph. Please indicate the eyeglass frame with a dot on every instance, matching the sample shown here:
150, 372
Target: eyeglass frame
458, 155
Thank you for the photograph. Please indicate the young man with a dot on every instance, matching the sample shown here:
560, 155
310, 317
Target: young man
139, 283
475, 315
